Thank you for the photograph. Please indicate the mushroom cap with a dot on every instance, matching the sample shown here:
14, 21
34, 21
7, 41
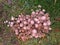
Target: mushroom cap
43, 18
44, 24
12, 18
36, 25
48, 22
33, 13
34, 31
32, 22
29, 26
21, 24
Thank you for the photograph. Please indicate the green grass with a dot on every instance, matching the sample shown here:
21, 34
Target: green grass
25, 6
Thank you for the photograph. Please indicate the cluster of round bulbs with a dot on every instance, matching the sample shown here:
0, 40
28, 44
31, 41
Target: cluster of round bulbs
29, 26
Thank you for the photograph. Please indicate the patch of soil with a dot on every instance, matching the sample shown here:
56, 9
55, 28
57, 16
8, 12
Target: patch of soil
1, 31
57, 30
3, 13
10, 38
3, 16
1, 43
57, 19
14, 41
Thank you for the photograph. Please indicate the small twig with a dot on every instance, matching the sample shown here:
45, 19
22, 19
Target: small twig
55, 2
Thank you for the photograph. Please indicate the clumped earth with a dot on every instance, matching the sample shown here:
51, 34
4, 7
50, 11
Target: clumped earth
10, 8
